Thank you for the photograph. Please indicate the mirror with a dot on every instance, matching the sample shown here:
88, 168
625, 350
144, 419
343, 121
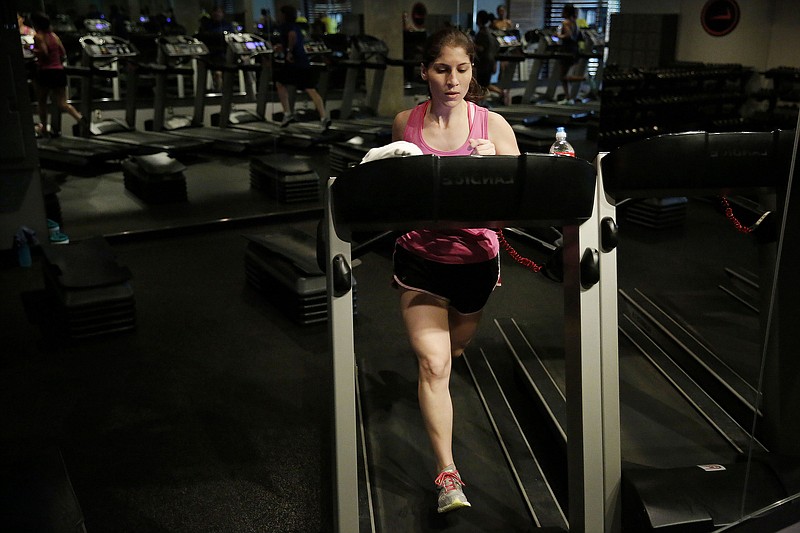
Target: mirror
701, 285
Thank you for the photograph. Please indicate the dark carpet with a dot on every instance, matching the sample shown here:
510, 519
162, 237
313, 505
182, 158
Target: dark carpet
213, 414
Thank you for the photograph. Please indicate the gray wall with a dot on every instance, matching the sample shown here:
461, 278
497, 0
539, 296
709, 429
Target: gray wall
767, 36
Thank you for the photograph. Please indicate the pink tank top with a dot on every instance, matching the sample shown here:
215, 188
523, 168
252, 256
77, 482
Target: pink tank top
53, 58
458, 246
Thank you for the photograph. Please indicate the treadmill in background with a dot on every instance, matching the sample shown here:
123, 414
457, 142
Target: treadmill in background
106, 49
176, 50
250, 53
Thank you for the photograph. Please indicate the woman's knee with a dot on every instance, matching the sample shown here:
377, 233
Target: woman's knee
434, 368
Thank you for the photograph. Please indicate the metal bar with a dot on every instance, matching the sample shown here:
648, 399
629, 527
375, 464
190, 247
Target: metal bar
340, 324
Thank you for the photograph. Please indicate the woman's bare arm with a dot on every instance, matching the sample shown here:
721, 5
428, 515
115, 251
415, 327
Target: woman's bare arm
502, 135
399, 125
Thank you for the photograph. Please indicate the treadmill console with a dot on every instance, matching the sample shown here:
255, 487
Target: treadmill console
182, 46
107, 47
507, 40
247, 44
593, 38
366, 47
27, 47
95, 26
317, 48
548, 38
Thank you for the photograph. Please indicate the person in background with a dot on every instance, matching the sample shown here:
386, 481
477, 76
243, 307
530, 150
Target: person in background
264, 24
215, 22
23, 28
486, 47
50, 80
446, 277
569, 36
296, 71
119, 22
216, 26
330, 24
502, 23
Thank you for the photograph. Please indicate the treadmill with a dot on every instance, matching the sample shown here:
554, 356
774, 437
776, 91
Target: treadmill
174, 51
251, 53
547, 54
366, 53
687, 450
106, 49
56, 150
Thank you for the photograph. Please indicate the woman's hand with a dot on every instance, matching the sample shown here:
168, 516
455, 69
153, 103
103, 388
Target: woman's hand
482, 147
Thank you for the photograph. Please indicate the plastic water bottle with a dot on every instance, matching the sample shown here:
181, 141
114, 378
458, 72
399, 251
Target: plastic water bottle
562, 146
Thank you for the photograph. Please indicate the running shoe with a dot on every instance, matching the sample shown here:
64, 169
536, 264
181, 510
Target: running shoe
451, 494
288, 119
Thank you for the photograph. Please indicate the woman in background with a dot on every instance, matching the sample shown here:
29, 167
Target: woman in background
51, 80
569, 36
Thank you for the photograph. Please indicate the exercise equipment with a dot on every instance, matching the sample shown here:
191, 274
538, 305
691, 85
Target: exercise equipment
728, 162
155, 178
89, 292
367, 53
107, 49
252, 53
286, 178
546, 60
675, 490
282, 266
453, 192
58, 151
174, 50
510, 55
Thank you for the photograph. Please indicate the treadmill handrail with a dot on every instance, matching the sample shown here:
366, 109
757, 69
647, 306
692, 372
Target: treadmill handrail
434, 192
697, 163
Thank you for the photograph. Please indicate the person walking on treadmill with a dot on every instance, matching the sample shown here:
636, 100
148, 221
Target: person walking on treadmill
445, 278
569, 35
51, 79
296, 70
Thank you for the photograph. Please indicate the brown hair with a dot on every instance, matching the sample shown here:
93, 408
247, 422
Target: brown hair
455, 38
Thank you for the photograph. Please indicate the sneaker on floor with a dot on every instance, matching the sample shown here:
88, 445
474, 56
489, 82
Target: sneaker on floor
59, 238
451, 494
288, 119
53, 228
325, 123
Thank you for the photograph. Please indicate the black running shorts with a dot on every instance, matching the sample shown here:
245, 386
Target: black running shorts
51, 78
299, 77
465, 287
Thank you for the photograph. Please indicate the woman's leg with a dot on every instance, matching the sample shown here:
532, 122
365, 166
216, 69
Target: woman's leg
41, 104
437, 334
283, 96
60, 96
318, 103
462, 329
427, 324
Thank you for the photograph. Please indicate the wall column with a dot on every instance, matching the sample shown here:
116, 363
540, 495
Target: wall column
384, 20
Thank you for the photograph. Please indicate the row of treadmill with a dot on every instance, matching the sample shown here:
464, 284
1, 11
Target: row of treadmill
248, 58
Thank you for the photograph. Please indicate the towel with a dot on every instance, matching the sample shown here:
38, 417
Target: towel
395, 149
